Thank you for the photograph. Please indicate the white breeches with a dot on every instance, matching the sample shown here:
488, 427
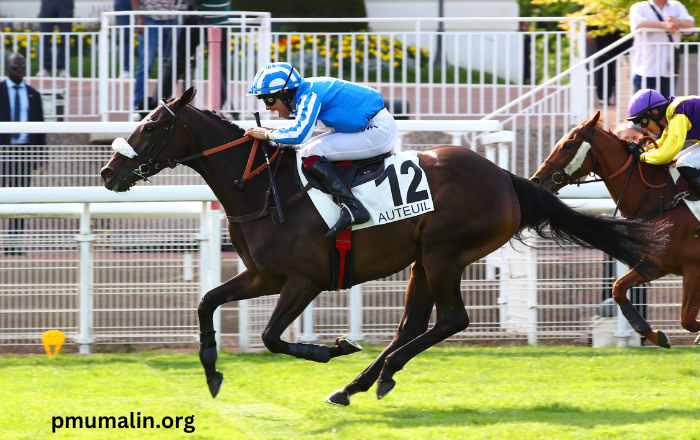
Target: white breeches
690, 157
377, 138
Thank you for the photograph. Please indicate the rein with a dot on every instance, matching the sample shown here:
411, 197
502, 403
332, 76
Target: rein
588, 137
144, 169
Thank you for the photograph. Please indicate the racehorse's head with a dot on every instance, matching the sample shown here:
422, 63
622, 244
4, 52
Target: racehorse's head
570, 158
159, 140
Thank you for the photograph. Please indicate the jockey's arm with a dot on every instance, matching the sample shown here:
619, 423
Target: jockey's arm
671, 142
303, 127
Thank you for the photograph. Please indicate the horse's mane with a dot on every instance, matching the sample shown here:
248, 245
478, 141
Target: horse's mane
220, 119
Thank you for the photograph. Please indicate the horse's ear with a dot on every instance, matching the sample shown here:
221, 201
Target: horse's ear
186, 97
594, 120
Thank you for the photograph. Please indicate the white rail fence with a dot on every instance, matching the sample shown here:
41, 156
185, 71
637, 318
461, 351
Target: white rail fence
549, 111
126, 274
442, 75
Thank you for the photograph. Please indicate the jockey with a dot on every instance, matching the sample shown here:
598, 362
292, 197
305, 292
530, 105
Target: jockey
362, 127
679, 119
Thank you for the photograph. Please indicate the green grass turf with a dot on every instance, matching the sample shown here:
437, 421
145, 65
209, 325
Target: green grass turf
445, 393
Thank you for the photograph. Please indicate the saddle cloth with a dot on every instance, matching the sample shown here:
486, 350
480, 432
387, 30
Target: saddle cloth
692, 201
401, 191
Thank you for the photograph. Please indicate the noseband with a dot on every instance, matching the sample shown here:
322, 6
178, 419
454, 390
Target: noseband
567, 171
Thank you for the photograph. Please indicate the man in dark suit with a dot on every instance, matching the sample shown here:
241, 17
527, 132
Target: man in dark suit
19, 103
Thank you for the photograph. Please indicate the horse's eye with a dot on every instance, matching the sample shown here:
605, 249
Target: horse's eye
148, 128
567, 146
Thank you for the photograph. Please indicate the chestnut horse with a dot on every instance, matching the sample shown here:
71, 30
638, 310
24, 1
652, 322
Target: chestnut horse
640, 189
478, 208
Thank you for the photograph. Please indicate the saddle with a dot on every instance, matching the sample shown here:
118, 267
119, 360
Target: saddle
352, 172
680, 190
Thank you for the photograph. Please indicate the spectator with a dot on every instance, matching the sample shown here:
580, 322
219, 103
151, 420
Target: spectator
604, 64
669, 15
186, 60
55, 9
629, 132
154, 42
19, 103
124, 36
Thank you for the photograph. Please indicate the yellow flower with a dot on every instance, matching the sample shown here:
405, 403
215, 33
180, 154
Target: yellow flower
396, 64
335, 64
7, 29
33, 55
89, 41
72, 41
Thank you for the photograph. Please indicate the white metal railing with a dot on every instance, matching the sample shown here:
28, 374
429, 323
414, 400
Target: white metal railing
549, 111
447, 74
110, 283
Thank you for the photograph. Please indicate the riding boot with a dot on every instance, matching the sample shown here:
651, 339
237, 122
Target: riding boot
352, 212
692, 177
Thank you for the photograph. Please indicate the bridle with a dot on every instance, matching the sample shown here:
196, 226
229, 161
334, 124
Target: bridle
565, 176
143, 169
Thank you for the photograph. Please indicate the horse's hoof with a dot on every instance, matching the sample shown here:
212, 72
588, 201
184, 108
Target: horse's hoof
385, 387
662, 339
697, 340
215, 383
347, 345
340, 398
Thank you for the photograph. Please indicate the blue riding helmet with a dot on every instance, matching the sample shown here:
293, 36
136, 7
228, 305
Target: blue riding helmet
642, 103
275, 77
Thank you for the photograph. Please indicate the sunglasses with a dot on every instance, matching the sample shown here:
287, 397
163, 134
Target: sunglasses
18, 66
268, 99
642, 122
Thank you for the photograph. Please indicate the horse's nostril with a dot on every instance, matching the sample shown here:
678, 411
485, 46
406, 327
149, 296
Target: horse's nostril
536, 180
107, 174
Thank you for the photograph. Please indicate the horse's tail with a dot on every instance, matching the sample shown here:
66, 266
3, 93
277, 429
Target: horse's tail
629, 241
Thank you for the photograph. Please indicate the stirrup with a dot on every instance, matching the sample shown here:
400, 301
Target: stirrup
680, 196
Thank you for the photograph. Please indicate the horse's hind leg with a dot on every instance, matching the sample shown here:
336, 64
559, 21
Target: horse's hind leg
443, 276
245, 285
636, 320
418, 306
691, 302
295, 296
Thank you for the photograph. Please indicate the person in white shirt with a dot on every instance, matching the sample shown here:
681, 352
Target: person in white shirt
652, 50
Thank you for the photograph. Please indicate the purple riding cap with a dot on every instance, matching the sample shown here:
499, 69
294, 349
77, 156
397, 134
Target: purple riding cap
643, 101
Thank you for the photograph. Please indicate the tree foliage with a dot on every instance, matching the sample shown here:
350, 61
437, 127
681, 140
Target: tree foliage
605, 16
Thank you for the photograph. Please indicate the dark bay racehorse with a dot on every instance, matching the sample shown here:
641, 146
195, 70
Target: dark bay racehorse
478, 208
640, 189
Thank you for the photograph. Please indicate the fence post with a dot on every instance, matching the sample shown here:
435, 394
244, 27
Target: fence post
214, 39
578, 84
204, 254
243, 335
356, 313
307, 333
103, 66
532, 298
85, 238
215, 261
623, 332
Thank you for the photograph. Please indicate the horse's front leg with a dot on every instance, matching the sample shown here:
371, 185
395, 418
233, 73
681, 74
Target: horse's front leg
636, 320
245, 285
414, 322
295, 296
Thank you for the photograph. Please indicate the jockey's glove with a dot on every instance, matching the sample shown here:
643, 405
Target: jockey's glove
636, 149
